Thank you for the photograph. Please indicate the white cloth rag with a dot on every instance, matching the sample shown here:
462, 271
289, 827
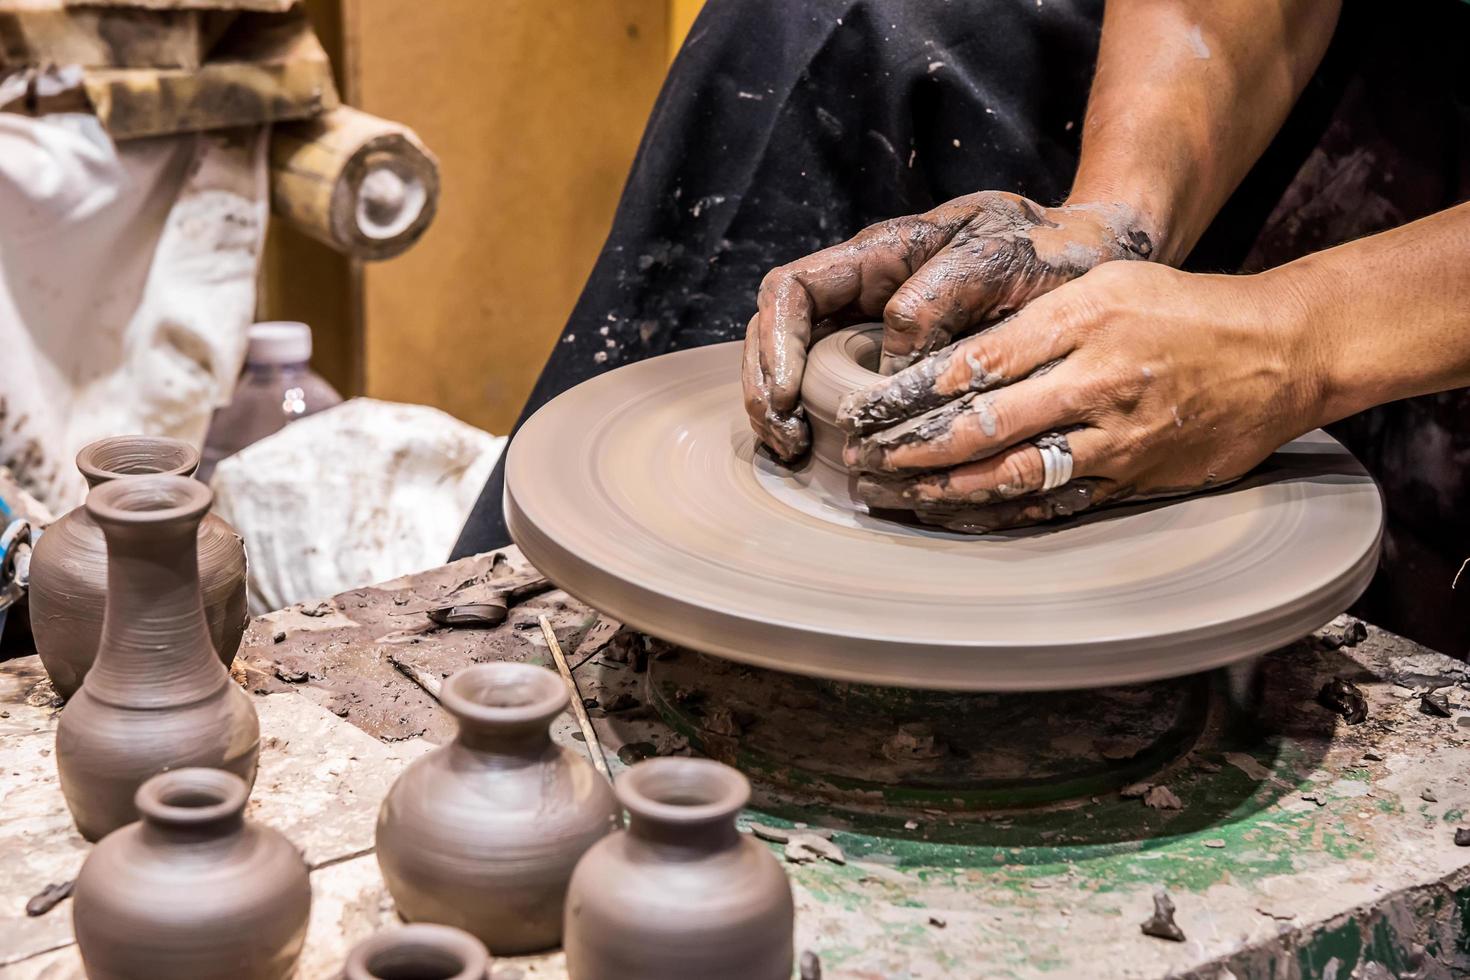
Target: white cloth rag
127, 281
363, 492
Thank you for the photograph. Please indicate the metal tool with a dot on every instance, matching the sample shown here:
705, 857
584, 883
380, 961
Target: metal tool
15, 565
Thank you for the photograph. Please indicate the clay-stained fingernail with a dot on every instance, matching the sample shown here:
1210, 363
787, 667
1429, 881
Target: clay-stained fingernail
865, 455
884, 494
788, 436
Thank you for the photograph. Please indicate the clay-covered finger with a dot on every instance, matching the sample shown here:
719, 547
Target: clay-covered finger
784, 322
787, 434
1011, 473
1013, 349
966, 284
972, 427
1065, 501
851, 280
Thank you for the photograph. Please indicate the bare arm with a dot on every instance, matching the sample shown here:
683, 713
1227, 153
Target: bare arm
1390, 314
1186, 97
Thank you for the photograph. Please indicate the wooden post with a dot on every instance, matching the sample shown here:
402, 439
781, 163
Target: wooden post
366, 186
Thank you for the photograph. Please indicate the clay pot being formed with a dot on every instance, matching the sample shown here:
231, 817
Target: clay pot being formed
418, 952
157, 696
681, 893
192, 890
839, 363
483, 833
68, 588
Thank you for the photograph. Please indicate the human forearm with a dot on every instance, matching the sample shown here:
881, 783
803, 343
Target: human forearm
1186, 97
1387, 317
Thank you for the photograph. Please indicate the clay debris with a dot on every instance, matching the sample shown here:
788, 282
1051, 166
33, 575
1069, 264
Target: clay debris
1161, 924
803, 844
1343, 697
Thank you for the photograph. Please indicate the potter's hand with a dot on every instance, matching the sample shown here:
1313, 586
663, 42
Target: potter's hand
1162, 381
930, 276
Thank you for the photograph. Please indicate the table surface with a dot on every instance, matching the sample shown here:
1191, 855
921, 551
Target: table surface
1319, 849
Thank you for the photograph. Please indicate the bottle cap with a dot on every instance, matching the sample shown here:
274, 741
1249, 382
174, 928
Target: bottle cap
278, 342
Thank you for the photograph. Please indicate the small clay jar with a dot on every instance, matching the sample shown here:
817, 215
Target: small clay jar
418, 952
483, 833
68, 589
681, 893
840, 363
192, 890
157, 696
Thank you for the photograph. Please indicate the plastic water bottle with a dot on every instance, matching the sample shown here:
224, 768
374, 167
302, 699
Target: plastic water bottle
277, 387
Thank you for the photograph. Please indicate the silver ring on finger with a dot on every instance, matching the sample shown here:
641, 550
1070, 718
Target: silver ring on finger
1056, 462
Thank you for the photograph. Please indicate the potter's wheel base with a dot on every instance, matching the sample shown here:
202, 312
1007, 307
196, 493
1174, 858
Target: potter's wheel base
865, 749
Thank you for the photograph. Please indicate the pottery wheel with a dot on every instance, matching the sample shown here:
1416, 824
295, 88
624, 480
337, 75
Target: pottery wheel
641, 493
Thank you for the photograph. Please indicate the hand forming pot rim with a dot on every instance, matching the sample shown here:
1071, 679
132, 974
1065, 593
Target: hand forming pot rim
645, 790
151, 499
474, 959
157, 798
526, 693
136, 455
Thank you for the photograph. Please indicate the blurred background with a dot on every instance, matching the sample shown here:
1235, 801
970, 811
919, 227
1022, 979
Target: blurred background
534, 111
326, 244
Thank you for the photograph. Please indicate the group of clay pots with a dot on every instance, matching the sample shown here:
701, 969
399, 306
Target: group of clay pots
500, 839
506, 835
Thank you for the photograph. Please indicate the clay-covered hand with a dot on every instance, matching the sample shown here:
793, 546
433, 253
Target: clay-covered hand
1161, 382
930, 276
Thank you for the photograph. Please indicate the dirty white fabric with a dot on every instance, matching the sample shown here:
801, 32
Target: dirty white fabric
363, 492
127, 279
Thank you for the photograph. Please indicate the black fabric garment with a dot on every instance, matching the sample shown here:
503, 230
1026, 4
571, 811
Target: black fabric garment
785, 126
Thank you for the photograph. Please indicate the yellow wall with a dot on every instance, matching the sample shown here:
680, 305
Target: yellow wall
534, 110
681, 18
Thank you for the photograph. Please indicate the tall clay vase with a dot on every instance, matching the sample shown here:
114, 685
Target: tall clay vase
418, 952
157, 697
483, 833
68, 589
192, 890
681, 893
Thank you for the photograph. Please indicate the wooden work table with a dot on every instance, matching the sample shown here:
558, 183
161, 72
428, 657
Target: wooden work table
1322, 849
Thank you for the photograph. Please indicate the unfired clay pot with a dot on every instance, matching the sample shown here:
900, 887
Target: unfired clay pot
681, 893
157, 697
840, 363
192, 890
68, 587
421, 951
483, 833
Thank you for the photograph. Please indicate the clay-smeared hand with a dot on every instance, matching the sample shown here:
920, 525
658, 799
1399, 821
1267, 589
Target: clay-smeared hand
1162, 382
930, 276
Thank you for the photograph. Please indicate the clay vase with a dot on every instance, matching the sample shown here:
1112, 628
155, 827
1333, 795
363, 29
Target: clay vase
68, 589
681, 893
418, 952
840, 363
192, 890
157, 697
483, 833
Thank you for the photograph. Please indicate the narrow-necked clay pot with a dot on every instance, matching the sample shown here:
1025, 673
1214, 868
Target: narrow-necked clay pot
839, 363
192, 890
483, 833
418, 952
681, 893
157, 696
68, 588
